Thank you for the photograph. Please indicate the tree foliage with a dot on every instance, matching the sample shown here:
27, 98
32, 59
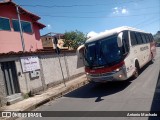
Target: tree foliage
73, 39
157, 37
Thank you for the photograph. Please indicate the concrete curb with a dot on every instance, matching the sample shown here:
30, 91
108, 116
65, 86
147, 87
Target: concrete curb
47, 96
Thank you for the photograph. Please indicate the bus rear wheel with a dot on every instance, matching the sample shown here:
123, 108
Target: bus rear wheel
152, 59
136, 72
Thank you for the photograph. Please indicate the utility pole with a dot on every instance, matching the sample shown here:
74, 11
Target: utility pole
55, 41
20, 28
22, 41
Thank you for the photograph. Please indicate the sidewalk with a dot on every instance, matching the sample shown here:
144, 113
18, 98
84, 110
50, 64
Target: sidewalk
158, 84
50, 94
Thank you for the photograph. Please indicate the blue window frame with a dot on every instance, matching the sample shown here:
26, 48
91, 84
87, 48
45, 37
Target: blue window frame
4, 24
26, 26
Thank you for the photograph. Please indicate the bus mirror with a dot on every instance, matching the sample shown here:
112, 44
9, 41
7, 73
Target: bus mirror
119, 39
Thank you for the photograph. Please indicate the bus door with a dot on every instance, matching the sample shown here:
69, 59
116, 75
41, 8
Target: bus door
80, 56
152, 45
145, 49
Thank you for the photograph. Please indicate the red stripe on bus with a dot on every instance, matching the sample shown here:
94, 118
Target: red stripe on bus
105, 69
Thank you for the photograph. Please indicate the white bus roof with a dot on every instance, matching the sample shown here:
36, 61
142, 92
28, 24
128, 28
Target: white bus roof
112, 32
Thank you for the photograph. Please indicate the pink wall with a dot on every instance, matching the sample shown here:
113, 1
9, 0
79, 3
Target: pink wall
11, 41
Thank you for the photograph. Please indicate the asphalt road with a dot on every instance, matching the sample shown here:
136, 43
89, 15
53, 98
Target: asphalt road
141, 94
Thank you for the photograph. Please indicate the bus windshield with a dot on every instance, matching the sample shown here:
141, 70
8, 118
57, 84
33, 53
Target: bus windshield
104, 52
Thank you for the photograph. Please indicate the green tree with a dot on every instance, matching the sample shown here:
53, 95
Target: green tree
157, 37
73, 39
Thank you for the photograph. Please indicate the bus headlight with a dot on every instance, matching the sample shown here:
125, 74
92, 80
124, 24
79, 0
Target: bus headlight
118, 69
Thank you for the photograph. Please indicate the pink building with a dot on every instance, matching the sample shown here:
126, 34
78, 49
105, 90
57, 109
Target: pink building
10, 39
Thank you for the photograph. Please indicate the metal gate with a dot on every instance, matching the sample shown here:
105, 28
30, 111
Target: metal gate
10, 77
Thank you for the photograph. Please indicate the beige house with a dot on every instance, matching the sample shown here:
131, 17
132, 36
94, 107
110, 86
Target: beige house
48, 41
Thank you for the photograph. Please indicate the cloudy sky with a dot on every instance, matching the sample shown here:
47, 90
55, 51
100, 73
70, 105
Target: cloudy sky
95, 16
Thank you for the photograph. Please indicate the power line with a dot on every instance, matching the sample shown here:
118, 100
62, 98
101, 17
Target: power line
95, 16
144, 21
150, 23
75, 5
105, 10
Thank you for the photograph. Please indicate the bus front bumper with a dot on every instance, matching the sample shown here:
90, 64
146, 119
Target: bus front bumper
105, 77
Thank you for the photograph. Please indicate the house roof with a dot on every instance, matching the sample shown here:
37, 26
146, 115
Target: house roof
40, 25
24, 12
51, 34
38, 52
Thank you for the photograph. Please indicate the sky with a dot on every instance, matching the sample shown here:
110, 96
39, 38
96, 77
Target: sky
94, 16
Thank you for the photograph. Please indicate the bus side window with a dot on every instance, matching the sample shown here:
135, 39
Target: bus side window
151, 37
133, 38
139, 38
125, 42
143, 38
147, 38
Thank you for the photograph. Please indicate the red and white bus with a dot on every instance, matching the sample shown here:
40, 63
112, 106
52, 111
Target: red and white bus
116, 54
